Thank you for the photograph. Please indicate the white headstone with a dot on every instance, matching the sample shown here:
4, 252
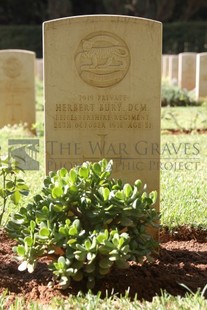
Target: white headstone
187, 70
165, 66
102, 94
201, 76
39, 68
173, 69
17, 87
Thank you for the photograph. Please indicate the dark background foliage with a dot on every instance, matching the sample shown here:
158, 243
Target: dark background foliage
37, 11
184, 22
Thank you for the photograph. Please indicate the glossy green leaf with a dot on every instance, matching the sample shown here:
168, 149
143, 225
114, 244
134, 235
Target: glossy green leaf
62, 172
101, 237
10, 185
28, 240
127, 190
83, 172
58, 208
73, 176
105, 192
73, 189
44, 232
63, 231
119, 195
96, 168
71, 241
109, 244
20, 249
153, 196
61, 261
138, 184
87, 244
77, 223
15, 197
80, 247
57, 192
32, 225
45, 209
73, 231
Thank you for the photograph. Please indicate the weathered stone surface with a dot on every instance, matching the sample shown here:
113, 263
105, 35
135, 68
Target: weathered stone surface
173, 68
201, 76
165, 66
187, 70
39, 68
102, 94
17, 87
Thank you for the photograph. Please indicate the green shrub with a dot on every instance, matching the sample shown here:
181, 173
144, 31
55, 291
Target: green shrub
173, 95
87, 221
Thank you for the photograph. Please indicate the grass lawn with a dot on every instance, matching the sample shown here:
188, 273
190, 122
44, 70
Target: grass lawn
189, 118
183, 180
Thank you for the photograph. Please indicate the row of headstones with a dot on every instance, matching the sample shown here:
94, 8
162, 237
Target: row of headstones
19, 68
187, 70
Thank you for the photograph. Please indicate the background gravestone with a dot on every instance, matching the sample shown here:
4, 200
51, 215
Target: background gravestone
39, 68
165, 65
187, 70
173, 68
17, 87
201, 76
102, 94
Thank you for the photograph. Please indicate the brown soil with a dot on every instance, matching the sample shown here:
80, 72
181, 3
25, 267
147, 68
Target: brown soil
180, 261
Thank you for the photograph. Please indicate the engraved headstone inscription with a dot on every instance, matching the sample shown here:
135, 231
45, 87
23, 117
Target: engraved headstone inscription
17, 87
102, 94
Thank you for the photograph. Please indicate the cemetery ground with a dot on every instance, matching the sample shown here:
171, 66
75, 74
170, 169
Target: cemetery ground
180, 269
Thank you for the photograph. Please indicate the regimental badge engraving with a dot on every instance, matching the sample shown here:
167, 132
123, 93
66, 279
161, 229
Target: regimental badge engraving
102, 59
12, 67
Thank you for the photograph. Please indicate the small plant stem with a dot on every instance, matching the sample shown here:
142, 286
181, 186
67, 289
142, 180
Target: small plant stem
4, 200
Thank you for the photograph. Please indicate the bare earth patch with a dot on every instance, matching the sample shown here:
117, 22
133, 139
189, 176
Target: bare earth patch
179, 262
